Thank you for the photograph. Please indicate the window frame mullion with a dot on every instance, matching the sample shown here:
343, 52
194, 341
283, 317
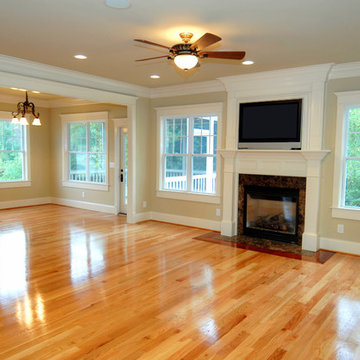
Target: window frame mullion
190, 127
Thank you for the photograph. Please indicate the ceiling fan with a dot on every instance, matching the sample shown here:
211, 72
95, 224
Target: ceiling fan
187, 55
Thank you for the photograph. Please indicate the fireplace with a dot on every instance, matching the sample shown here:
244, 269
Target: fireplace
272, 207
271, 213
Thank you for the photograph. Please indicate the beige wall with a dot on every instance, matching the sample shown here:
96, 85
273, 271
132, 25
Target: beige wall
39, 160
57, 190
328, 224
181, 207
144, 170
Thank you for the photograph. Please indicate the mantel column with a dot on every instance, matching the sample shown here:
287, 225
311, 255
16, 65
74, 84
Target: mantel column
229, 206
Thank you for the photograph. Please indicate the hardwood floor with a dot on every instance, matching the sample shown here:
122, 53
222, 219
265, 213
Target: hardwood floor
76, 284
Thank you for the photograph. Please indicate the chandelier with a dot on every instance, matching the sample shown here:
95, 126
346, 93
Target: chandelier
23, 109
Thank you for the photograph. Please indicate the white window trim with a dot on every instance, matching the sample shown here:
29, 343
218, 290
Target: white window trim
83, 117
188, 110
344, 99
4, 115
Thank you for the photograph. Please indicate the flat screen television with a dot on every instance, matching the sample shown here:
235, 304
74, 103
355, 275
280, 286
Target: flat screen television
270, 124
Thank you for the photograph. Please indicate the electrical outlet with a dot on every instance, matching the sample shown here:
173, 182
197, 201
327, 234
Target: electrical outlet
144, 204
83, 194
218, 212
340, 228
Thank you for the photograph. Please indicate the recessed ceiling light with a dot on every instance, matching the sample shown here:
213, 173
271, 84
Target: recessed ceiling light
154, 76
14, 88
118, 4
247, 62
80, 57
22, 89
36, 92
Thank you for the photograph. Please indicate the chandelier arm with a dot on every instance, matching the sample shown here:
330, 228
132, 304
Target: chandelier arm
32, 107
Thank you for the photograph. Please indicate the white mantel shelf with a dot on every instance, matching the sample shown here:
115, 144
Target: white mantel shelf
273, 162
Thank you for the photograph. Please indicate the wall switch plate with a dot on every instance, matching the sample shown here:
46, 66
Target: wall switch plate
144, 204
340, 228
218, 212
83, 194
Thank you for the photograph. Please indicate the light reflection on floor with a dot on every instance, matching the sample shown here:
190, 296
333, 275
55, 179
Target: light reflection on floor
13, 265
348, 329
87, 255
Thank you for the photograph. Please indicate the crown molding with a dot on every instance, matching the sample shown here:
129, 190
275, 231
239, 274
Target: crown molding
69, 102
27, 68
347, 70
187, 89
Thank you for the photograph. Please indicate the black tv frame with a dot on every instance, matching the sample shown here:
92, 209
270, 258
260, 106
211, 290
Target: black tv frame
295, 140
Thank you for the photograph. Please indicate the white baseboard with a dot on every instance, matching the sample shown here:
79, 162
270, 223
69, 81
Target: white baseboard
24, 202
186, 220
142, 216
110, 209
349, 247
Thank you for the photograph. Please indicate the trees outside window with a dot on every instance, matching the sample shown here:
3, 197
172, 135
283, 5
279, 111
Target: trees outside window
12, 152
85, 156
87, 152
351, 189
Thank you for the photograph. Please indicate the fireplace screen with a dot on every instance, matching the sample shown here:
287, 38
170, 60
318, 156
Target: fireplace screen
271, 213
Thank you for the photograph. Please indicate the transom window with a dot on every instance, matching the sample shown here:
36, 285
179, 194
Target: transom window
85, 155
13, 154
351, 159
189, 153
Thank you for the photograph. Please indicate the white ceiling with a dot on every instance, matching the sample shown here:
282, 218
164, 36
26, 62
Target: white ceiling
275, 34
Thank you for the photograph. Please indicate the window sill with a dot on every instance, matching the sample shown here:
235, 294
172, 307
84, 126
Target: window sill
206, 198
346, 213
14, 184
84, 185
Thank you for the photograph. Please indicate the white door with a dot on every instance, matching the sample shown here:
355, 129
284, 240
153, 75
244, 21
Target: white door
123, 170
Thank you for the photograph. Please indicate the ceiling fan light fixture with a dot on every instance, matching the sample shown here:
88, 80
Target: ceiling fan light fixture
248, 62
186, 61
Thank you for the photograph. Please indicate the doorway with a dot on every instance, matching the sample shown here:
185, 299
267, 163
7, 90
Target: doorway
123, 170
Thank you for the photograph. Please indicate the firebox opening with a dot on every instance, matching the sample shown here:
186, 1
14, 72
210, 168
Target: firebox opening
271, 213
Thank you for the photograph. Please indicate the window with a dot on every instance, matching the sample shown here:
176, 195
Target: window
351, 187
188, 159
13, 154
347, 157
85, 156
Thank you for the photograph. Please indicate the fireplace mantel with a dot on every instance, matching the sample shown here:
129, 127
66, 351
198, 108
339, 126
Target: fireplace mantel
302, 163
273, 162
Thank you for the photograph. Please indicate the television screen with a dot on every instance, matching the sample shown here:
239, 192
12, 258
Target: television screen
270, 121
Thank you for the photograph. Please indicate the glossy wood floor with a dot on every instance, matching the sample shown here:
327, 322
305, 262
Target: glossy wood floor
77, 284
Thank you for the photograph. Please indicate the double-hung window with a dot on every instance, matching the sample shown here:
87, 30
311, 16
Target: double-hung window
347, 157
85, 150
188, 156
14, 164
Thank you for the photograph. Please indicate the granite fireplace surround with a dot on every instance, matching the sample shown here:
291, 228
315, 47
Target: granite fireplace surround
286, 182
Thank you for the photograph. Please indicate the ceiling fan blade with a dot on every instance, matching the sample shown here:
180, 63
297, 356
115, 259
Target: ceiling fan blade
151, 43
151, 58
205, 41
231, 55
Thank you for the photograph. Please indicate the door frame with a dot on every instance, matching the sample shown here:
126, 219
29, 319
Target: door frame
119, 123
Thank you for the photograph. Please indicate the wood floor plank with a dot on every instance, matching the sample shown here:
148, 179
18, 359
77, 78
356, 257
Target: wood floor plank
77, 284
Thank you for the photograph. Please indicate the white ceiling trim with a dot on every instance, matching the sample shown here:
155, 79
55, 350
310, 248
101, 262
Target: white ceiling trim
345, 70
66, 90
26, 68
188, 89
